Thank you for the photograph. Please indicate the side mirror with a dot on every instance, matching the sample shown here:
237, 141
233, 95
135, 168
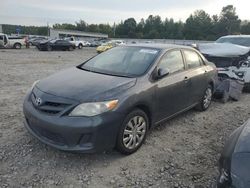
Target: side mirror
162, 72
159, 73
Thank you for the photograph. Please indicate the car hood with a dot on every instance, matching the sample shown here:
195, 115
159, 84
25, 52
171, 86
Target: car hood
43, 41
223, 49
85, 86
240, 166
243, 143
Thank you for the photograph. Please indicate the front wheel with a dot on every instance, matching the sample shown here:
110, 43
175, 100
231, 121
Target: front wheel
71, 48
132, 132
49, 48
206, 99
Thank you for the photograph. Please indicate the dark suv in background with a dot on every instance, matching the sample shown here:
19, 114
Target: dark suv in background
113, 99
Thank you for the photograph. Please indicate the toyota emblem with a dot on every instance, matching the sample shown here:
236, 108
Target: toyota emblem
38, 101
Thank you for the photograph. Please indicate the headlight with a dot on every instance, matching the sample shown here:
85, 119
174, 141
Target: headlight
33, 85
93, 108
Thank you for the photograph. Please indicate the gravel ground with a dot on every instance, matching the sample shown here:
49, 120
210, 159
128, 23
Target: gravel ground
183, 152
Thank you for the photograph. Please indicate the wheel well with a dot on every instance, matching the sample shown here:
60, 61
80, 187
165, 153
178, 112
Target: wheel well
211, 83
17, 43
146, 109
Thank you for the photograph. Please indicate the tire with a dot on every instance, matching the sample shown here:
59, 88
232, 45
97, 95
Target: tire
17, 46
246, 88
80, 46
133, 132
206, 99
71, 48
49, 48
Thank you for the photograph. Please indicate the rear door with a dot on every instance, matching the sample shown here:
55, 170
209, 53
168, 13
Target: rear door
197, 74
172, 90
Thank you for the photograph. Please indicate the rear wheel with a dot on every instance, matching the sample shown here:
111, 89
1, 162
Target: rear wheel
132, 132
247, 88
80, 46
71, 48
206, 99
17, 46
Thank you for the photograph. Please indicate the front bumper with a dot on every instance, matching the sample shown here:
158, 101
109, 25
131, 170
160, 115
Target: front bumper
80, 134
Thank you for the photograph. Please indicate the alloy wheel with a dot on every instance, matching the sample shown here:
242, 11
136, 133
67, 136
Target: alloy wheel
207, 98
134, 132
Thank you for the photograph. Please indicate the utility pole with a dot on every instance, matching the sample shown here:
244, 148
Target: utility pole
48, 33
114, 29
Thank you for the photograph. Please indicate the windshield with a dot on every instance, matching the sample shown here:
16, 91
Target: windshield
52, 41
243, 41
123, 61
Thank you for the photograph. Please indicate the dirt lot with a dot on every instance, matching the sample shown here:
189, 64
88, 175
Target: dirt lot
181, 153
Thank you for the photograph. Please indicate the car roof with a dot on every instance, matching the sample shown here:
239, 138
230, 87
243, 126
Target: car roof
160, 46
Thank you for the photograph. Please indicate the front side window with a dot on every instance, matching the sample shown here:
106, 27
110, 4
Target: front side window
172, 61
192, 58
123, 61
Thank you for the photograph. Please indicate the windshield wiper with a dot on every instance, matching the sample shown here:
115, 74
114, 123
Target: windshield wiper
80, 67
106, 73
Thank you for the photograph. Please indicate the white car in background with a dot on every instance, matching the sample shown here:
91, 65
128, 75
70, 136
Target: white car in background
118, 42
232, 61
15, 42
78, 43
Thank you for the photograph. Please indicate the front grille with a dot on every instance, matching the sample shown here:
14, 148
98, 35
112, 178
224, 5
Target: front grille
47, 106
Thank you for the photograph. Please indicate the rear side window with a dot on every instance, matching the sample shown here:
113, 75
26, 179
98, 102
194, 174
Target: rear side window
172, 61
193, 59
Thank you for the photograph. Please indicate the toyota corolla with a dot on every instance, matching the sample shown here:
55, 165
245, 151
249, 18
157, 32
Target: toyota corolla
113, 99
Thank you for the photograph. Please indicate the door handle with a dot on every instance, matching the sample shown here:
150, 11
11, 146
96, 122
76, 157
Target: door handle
205, 72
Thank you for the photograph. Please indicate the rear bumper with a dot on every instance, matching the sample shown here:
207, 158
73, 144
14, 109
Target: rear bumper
80, 134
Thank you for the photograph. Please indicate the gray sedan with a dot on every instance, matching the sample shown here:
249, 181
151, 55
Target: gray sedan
113, 99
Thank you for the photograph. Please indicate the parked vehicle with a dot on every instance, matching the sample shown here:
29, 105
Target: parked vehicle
78, 43
113, 99
36, 40
97, 43
232, 61
234, 163
11, 41
106, 46
119, 42
242, 40
55, 44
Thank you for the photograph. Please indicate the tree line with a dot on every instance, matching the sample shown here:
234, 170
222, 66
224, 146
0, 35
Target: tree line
198, 26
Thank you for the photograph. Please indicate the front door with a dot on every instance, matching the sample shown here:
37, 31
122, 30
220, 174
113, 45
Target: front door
172, 91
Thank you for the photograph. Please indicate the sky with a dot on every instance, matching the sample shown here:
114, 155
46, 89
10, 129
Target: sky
41, 12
